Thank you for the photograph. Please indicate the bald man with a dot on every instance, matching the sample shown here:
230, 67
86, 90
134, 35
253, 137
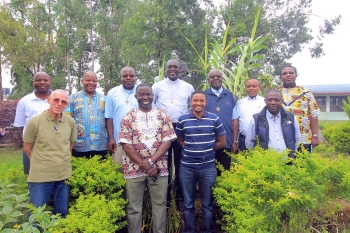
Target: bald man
87, 107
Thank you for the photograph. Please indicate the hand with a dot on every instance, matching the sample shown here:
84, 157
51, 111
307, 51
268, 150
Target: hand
152, 171
2, 132
111, 145
145, 165
234, 148
315, 141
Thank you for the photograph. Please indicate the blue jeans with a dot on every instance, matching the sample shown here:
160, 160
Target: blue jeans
26, 163
205, 178
40, 193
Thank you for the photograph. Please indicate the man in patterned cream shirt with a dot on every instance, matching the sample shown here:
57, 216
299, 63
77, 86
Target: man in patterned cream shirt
302, 103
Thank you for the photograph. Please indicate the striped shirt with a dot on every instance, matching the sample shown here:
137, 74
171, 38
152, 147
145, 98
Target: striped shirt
199, 137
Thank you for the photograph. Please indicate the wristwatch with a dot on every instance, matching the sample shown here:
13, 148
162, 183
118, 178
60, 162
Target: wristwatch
150, 162
315, 135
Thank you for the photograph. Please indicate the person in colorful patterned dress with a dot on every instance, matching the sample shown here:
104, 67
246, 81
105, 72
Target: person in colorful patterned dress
87, 107
146, 134
302, 103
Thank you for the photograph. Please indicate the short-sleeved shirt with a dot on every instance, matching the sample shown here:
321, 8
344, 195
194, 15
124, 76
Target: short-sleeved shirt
118, 102
173, 97
27, 107
302, 103
50, 159
199, 136
145, 131
89, 115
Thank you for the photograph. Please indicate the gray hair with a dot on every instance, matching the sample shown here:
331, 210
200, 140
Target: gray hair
59, 91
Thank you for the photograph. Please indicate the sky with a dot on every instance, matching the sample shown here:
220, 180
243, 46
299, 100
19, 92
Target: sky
329, 68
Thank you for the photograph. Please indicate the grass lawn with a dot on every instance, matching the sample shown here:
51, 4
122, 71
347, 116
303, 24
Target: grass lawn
11, 157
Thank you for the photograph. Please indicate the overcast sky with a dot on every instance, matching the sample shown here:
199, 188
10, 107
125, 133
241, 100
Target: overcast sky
328, 69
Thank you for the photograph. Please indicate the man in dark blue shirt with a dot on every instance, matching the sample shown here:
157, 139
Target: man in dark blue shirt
200, 133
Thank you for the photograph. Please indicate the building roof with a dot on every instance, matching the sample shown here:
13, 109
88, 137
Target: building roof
340, 89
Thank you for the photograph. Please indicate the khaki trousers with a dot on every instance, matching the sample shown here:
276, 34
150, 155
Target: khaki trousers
117, 156
135, 189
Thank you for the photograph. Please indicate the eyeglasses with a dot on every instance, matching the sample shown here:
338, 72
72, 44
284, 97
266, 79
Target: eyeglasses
57, 101
128, 75
172, 66
215, 76
290, 72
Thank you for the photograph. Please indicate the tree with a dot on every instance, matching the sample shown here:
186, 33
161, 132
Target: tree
285, 21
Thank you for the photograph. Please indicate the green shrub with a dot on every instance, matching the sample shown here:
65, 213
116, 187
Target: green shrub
96, 176
93, 213
339, 137
262, 194
346, 107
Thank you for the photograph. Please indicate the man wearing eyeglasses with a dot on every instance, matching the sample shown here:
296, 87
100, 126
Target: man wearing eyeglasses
119, 101
224, 104
302, 103
173, 96
87, 107
48, 141
32, 105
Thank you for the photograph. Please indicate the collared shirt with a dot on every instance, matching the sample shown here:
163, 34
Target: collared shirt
304, 107
89, 115
118, 102
247, 107
27, 107
145, 131
173, 97
276, 139
235, 114
199, 136
50, 159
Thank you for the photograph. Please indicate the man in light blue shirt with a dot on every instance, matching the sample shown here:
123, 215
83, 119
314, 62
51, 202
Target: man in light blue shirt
275, 127
87, 107
32, 105
119, 101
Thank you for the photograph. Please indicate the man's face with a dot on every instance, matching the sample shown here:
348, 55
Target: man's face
198, 102
144, 97
89, 83
288, 76
273, 102
172, 69
128, 78
42, 82
58, 102
215, 79
252, 87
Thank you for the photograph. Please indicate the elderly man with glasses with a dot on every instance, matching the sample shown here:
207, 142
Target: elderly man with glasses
48, 141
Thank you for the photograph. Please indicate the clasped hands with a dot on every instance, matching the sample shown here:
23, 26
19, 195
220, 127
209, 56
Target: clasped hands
145, 165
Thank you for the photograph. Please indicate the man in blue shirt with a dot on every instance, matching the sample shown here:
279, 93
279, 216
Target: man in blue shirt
199, 133
87, 107
223, 103
119, 101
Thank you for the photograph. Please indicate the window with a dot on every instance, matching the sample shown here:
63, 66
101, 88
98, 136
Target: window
336, 103
321, 101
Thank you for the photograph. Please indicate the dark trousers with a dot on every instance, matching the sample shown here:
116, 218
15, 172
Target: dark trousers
241, 142
223, 158
176, 157
307, 147
88, 154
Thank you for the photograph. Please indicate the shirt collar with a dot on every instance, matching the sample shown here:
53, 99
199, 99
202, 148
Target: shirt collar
217, 92
49, 117
205, 114
269, 115
93, 96
254, 98
128, 91
172, 82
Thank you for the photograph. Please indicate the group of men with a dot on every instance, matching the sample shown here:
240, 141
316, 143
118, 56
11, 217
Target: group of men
151, 130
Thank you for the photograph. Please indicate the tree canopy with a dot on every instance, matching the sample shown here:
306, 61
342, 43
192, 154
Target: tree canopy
66, 38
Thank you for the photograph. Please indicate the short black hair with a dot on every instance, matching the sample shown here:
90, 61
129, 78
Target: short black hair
273, 91
289, 66
198, 92
142, 85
